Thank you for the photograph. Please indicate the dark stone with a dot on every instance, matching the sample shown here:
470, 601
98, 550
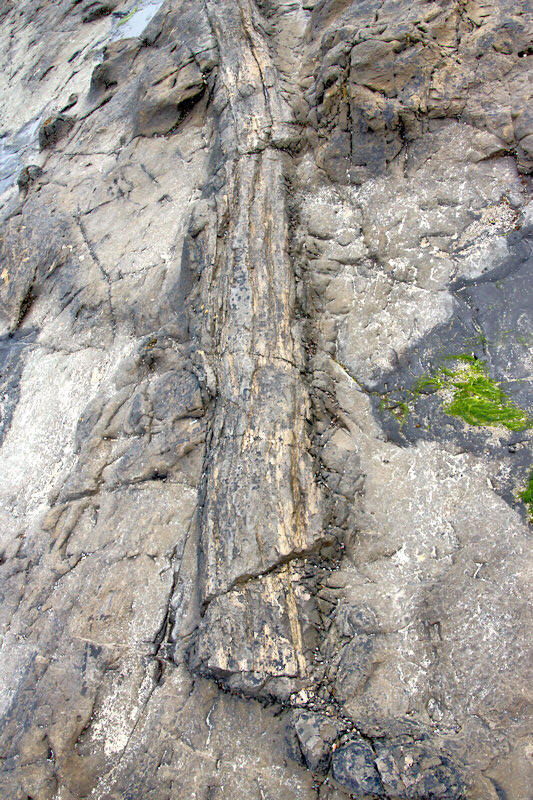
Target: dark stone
53, 129
72, 100
354, 769
12, 357
28, 175
114, 69
94, 10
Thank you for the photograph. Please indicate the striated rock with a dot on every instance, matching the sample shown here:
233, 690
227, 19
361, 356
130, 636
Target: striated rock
253, 635
261, 506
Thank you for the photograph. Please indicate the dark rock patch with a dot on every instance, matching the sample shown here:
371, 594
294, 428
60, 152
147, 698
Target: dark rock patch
492, 322
13, 350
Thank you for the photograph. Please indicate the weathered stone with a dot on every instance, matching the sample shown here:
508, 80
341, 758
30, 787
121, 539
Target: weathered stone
315, 735
261, 506
253, 633
412, 770
53, 129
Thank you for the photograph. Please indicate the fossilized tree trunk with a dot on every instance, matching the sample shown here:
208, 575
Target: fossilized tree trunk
260, 505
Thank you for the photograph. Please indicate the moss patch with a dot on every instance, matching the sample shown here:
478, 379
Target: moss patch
473, 395
526, 496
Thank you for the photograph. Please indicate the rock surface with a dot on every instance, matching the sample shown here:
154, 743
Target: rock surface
265, 360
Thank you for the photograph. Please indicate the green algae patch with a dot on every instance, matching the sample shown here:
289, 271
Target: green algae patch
526, 496
472, 395
469, 393
128, 16
398, 409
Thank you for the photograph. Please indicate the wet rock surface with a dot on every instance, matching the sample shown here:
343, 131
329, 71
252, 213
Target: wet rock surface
253, 258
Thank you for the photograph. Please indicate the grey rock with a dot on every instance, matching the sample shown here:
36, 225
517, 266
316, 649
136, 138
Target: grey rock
167, 100
12, 356
314, 735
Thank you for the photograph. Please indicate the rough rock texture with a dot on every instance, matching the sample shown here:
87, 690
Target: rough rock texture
250, 251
